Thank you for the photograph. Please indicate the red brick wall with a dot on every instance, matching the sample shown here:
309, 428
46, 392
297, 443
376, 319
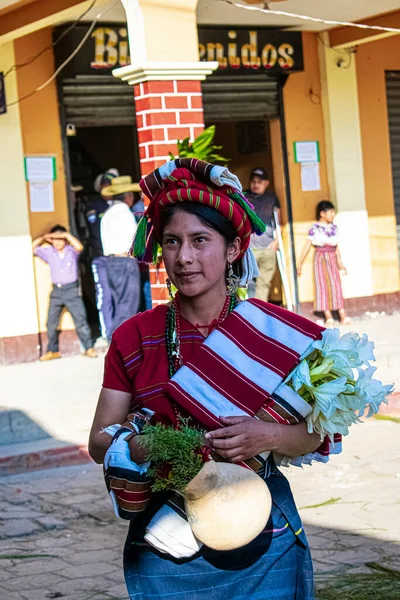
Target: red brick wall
166, 111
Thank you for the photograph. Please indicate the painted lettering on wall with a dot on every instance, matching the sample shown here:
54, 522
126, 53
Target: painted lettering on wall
237, 49
242, 49
110, 48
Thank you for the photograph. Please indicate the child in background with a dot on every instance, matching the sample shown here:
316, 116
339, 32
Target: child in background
328, 264
62, 257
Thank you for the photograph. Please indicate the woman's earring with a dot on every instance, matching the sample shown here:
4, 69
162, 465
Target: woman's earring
169, 286
232, 282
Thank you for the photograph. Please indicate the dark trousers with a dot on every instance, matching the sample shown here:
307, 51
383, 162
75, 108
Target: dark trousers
67, 296
124, 281
104, 301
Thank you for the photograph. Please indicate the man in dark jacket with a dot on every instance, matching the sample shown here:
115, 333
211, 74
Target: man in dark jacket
266, 205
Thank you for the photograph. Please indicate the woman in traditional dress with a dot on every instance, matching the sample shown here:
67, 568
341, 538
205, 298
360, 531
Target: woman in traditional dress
328, 264
203, 224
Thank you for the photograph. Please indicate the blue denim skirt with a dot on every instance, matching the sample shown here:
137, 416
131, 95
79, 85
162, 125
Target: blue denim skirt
276, 565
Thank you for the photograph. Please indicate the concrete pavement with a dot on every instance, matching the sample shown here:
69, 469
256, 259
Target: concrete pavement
60, 396
51, 404
59, 537
350, 506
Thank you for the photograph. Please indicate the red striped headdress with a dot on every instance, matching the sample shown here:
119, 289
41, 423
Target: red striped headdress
192, 180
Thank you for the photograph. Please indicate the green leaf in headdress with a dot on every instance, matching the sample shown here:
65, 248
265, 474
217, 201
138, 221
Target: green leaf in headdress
258, 225
139, 246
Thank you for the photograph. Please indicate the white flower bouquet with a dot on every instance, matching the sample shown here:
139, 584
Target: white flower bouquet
336, 379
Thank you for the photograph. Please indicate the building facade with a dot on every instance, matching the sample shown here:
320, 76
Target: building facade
161, 71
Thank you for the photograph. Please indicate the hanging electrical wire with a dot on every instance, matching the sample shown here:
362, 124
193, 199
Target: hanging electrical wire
344, 51
283, 13
56, 41
67, 60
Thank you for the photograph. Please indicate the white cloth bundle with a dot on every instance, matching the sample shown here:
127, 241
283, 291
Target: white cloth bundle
249, 268
167, 531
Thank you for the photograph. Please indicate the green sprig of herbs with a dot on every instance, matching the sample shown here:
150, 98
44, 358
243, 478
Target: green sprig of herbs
175, 454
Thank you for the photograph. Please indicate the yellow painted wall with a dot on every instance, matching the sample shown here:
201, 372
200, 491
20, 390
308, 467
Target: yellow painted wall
345, 166
372, 60
304, 121
17, 300
40, 121
41, 133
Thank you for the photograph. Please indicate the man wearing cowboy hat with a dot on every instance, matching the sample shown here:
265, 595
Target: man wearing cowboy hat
117, 229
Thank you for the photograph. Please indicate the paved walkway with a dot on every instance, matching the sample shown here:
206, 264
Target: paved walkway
60, 396
351, 505
59, 537
58, 534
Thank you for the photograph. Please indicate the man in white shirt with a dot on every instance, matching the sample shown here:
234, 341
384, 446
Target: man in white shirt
117, 229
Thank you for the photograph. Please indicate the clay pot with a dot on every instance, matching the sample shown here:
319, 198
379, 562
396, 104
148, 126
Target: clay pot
227, 505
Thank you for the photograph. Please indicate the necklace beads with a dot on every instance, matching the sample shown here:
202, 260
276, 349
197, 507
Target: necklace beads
173, 330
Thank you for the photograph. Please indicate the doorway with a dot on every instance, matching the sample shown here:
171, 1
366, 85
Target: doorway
247, 144
91, 151
393, 104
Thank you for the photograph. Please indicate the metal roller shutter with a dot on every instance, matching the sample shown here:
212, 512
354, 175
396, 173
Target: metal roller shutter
102, 100
97, 101
393, 102
240, 97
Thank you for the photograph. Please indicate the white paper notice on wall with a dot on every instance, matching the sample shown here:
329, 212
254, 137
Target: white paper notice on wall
40, 168
41, 196
310, 177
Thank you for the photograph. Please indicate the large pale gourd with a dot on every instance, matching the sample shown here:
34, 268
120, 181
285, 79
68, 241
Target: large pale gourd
227, 505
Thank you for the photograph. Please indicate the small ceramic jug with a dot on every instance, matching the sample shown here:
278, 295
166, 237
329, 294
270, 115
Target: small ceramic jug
227, 505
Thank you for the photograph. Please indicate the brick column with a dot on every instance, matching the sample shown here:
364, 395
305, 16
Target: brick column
166, 111
169, 107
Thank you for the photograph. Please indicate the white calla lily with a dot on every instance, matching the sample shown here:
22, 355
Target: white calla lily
301, 376
336, 379
326, 394
341, 368
354, 350
323, 369
365, 350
